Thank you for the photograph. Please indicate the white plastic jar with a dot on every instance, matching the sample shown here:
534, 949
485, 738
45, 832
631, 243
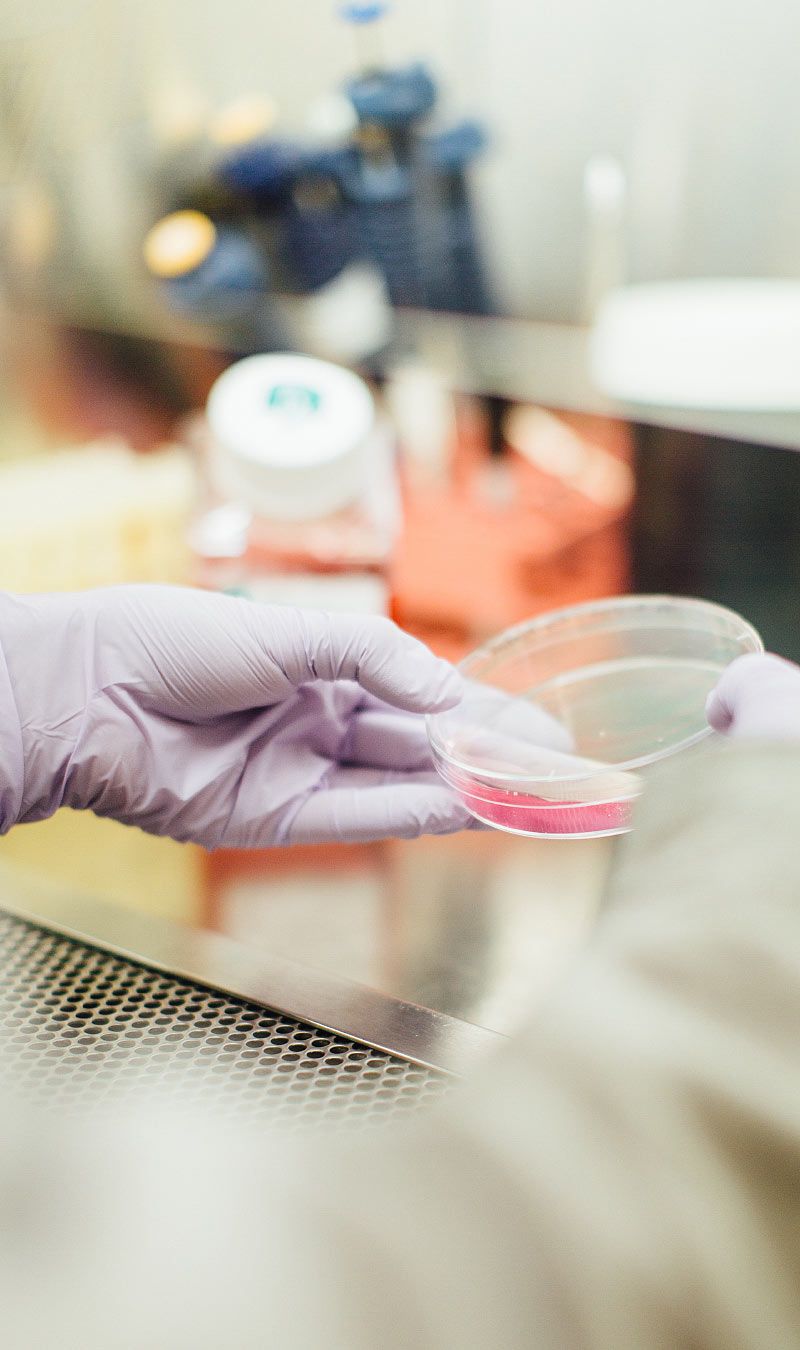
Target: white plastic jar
302, 497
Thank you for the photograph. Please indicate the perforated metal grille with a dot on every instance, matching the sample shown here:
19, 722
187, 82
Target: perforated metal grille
76, 1022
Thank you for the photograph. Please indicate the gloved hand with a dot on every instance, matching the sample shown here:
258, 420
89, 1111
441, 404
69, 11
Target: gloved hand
758, 697
212, 719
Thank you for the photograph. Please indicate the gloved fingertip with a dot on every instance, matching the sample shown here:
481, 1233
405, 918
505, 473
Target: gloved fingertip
718, 715
450, 689
423, 684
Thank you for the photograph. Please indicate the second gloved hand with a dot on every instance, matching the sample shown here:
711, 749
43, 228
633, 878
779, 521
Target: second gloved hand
758, 696
212, 719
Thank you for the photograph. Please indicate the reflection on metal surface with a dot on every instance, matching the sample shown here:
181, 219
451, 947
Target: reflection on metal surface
415, 946
418, 1034
475, 926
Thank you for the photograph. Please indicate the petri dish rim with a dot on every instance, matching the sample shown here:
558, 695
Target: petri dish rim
612, 605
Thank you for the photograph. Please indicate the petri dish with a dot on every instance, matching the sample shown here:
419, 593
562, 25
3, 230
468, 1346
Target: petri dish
564, 716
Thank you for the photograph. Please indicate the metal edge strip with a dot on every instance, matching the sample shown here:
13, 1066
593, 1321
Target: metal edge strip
431, 1039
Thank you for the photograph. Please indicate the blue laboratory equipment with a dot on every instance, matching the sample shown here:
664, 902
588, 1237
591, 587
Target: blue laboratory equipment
416, 214
309, 229
397, 100
365, 13
383, 194
214, 273
261, 169
366, 188
457, 278
320, 234
382, 182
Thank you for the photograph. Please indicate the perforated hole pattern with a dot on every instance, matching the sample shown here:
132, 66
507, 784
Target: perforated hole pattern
77, 1022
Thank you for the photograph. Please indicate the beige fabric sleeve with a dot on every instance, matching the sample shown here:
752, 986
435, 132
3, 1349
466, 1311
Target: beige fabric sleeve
624, 1174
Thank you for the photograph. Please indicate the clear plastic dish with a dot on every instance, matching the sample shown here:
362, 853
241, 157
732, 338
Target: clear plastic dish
564, 715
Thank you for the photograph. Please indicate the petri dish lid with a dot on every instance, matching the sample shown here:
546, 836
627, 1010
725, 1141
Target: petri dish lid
573, 707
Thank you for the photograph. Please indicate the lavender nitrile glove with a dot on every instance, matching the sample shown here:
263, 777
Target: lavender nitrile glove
757, 697
212, 719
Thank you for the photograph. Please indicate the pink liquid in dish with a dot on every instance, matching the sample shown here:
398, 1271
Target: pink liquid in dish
526, 814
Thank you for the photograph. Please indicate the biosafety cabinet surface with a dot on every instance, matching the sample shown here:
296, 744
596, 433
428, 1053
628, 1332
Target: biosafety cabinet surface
96, 993
80, 1024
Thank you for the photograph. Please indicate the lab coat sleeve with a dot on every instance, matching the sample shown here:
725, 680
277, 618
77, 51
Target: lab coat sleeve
626, 1173
623, 1174
12, 766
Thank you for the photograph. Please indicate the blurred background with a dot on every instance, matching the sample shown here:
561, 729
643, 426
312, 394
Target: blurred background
532, 278
108, 111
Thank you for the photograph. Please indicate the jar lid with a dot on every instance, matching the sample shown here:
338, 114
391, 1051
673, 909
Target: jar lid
290, 434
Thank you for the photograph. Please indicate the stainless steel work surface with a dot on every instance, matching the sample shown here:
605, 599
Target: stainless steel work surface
370, 1016
476, 927
80, 1026
429, 949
